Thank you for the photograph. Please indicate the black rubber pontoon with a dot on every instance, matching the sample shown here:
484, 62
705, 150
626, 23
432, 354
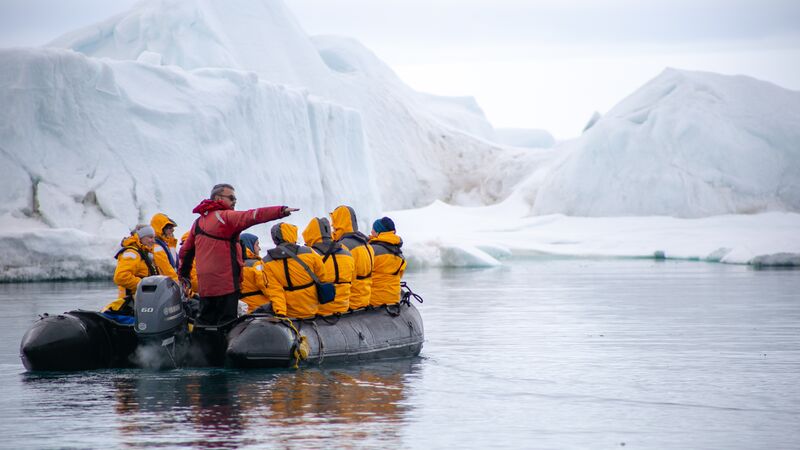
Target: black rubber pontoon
77, 340
381, 333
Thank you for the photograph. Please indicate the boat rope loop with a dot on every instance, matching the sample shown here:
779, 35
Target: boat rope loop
407, 294
300, 349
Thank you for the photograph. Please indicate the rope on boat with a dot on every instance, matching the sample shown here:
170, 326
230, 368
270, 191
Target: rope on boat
300, 350
407, 294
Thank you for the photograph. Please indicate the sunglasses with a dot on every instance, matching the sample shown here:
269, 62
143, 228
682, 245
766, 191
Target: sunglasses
229, 197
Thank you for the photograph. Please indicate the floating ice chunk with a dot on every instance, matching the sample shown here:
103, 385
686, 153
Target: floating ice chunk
777, 260
495, 251
718, 254
422, 255
466, 256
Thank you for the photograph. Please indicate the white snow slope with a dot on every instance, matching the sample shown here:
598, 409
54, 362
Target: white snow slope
686, 144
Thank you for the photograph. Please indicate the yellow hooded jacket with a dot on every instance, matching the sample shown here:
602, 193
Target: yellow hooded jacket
290, 288
345, 232
388, 269
133, 264
254, 281
338, 262
165, 247
194, 266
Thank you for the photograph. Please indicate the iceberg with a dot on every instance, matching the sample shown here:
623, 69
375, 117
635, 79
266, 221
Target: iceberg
144, 112
412, 138
686, 144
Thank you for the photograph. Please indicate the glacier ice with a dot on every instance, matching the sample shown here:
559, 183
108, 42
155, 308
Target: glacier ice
143, 112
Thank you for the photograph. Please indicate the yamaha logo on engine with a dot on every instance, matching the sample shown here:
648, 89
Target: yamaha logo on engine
171, 309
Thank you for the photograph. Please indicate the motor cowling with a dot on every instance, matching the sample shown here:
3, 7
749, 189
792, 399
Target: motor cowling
158, 308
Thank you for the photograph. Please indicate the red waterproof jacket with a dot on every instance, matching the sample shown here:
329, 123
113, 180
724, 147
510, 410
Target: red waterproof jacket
213, 245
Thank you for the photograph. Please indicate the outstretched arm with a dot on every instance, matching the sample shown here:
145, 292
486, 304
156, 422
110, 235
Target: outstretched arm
238, 221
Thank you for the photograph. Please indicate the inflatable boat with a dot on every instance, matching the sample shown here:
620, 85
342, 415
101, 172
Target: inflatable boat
393, 331
159, 336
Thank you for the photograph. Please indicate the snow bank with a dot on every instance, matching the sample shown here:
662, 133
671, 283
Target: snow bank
687, 144
63, 254
435, 233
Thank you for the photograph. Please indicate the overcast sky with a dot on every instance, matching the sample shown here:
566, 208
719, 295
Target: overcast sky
536, 63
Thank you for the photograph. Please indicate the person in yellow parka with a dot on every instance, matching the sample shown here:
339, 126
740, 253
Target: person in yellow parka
337, 260
165, 250
254, 278
345, 232
291, 288
134, 262
194, 268
389, 263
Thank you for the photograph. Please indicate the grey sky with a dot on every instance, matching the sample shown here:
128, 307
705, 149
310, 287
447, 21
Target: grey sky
498, 22
584, 53
468, 23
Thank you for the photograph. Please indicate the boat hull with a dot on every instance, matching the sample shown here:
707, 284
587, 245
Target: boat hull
379, 333
77, 340
88, 340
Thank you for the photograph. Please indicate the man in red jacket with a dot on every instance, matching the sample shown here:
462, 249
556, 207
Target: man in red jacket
213, 244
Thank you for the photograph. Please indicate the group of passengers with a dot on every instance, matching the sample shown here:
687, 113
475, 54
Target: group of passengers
223, 265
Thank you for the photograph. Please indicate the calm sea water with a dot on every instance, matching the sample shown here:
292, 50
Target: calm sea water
537, 354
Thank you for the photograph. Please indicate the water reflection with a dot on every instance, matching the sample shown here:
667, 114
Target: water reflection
345, 400
220, 408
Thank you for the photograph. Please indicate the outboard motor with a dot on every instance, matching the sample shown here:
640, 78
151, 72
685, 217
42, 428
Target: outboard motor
161, 322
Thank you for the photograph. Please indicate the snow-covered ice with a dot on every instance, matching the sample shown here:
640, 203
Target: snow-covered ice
145, 111
686, 144
411, 136
446, 235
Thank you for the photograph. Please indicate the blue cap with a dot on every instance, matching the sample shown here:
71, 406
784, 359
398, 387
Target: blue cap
249, 241
383, 224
